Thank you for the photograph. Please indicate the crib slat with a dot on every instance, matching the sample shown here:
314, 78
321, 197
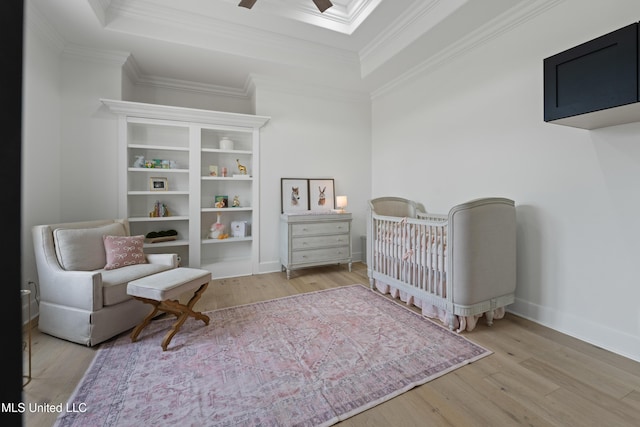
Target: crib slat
412, 251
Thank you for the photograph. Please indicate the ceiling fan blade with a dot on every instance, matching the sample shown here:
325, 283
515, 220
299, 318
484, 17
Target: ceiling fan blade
323, 5
247, 3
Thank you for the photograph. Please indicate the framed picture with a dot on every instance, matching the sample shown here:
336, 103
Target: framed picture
321, 194
213, 170
221, 202
294, 195
158, 184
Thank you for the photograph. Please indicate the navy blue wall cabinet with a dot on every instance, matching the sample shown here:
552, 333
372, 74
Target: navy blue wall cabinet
595, 84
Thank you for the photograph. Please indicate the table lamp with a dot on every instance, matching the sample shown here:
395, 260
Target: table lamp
341, 203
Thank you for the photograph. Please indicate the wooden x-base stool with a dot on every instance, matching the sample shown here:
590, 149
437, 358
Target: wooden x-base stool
160, 289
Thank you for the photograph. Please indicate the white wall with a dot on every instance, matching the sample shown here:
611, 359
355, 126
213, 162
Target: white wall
311, 134
181, 96
89, 147
69, 141
41, 172
474, 127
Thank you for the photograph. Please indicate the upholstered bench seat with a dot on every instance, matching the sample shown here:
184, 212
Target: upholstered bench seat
161, 290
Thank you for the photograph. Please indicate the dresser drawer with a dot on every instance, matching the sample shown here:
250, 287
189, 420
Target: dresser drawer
319, 228
316, 255
319, 241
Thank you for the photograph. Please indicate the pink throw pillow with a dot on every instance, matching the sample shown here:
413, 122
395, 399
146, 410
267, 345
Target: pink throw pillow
123, 251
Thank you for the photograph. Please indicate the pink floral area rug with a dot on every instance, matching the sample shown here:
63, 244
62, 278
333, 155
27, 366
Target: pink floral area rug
312, 359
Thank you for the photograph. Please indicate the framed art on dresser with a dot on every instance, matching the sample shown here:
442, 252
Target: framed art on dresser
321, 194
294, 194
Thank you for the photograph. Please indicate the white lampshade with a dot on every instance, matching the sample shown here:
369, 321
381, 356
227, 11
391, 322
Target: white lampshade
341, 202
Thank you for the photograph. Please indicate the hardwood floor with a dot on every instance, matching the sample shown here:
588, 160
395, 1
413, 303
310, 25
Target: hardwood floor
536, 376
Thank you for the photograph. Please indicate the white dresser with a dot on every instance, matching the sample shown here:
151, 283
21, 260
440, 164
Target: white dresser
311, 239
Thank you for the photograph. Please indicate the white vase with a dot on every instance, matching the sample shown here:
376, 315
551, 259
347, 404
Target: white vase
217, 229
226, 143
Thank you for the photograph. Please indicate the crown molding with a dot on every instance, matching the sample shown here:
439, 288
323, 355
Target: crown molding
100, 8
215, 34
498, 26
408, 27
344, 19
139, 79
189, 86
166, 112
132, 70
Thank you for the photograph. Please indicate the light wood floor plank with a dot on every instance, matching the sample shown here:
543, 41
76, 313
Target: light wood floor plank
588, 397
528, 390
536, 376
612, 359
633, 399
572, 409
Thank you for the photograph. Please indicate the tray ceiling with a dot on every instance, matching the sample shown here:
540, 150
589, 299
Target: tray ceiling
358, 45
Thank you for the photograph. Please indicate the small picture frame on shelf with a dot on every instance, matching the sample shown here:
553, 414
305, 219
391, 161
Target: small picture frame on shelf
321, 194
213, 170
221, 202
157, 183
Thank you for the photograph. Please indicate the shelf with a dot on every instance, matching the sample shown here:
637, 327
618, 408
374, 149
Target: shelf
217, 150
158, 219
158, 170
238, 209
167, 244
227, 178
158, 147
157, 193
227, 240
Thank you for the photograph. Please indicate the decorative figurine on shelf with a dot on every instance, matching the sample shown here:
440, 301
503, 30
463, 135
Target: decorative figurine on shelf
242, 169
217, 230
159, 210
139, 162
221, 202
236, 202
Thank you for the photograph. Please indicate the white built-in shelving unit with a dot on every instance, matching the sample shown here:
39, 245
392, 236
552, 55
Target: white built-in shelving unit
189, 140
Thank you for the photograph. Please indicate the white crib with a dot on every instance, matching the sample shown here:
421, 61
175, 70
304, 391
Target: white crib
456, 267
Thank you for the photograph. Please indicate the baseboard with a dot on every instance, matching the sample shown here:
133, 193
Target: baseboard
582, 328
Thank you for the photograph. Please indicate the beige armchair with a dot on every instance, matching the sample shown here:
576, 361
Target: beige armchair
81, 300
